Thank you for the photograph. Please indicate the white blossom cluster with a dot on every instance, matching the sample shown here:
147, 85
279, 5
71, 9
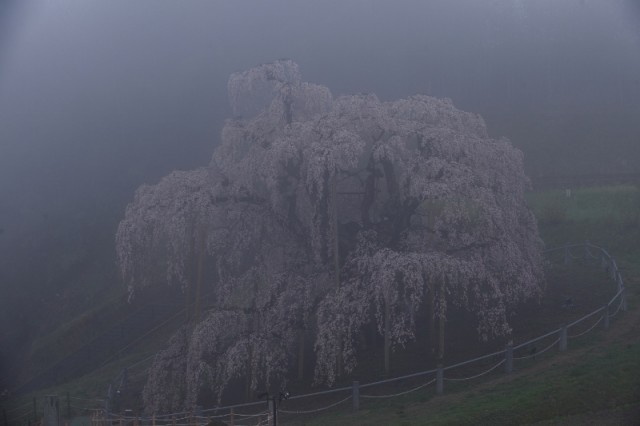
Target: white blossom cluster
409, 197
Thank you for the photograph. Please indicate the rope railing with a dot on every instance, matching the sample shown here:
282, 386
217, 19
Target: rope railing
424, 385
473, 360
395, 379
537, 339
317, 410
617, 309
540, 352
86, 399
199, 419
618, 295
325, 392
586, 317
582, 333
81, 408
462, 379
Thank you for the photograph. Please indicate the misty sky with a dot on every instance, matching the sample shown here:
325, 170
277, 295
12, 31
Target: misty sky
121, 92
97, 97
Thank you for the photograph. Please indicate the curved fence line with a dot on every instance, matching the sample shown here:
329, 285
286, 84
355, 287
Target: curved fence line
317, 410
461, 379
325, 392
401, 393
590, 253
395, 379
537, 339
538, 353
573, 336
471, 361
618, 294
617, 309
587, 316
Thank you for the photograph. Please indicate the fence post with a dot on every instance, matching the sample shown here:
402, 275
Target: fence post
620, 283
355, 394
107, 401
563, 338
614, 268
508, 361
606, 316
51, 410
272, 411
439, 380
232, 417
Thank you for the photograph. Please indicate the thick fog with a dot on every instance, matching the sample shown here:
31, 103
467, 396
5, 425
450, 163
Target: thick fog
97, 98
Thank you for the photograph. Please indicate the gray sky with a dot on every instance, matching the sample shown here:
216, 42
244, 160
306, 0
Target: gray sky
129, 90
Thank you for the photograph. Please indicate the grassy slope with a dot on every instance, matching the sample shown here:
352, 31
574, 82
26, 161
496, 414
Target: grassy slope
596, 382
593, 378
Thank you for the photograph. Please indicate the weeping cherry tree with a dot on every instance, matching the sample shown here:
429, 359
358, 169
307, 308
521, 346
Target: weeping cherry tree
320, 216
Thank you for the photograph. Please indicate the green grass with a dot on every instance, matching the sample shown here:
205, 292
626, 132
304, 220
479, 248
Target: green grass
601, 378
89, 391
606, 216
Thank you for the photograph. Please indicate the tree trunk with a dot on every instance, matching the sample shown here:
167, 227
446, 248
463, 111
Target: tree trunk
301, 354
339, 361
247, 388
334, 224
441, 342
199, 278
441, 322
336, 261
433, 341
387, 340
187, 302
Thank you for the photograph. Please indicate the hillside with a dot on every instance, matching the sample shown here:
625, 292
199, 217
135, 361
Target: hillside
597, 380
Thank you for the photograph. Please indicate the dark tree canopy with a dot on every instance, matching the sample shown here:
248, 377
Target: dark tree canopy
321, 214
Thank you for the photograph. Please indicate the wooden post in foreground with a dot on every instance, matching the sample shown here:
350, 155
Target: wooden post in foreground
508, 360
355, 394
563, 338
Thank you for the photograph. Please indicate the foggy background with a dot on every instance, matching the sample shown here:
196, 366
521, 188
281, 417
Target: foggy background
97, 98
